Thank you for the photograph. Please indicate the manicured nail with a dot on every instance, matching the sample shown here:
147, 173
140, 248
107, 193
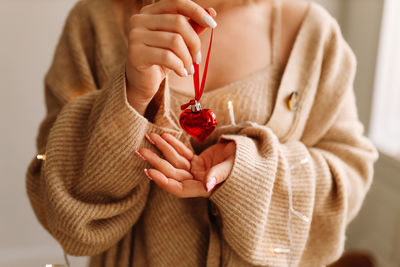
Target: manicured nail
212, 11
149, 139
140, 155
198, 58
211, 183
191, 70
147, 174
185, 72
209, 21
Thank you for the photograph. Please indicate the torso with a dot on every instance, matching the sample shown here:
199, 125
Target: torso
232, 51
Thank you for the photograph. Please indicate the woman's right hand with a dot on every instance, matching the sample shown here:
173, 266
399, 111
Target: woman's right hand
161, 39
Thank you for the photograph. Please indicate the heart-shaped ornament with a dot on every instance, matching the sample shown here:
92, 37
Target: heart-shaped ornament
199, 124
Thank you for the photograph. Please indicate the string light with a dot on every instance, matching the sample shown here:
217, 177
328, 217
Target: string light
281, 250
290, 193
66, 259
291, 208
41, 156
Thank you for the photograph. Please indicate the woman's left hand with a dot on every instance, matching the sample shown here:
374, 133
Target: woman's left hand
184, 174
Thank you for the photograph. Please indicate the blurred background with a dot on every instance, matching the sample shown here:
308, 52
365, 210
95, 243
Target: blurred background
29, 32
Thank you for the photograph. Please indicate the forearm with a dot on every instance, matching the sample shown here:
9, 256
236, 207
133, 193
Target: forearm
91, 188
278, 196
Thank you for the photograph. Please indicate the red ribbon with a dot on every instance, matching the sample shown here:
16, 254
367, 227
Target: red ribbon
198, 90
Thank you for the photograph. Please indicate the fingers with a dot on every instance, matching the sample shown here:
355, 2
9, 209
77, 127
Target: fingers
170, 153
218, 173
168, 31
187, 8
184, 189
230, 147
212, 12
172, 23
148, 56
164, 166
161, 34
216, 154
183, 182
173, 42
178, 146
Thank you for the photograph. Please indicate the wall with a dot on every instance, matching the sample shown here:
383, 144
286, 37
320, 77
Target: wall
361, 21
333, 6
376, 228
29, 31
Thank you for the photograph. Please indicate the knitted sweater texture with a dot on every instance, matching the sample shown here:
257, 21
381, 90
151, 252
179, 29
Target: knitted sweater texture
296, 183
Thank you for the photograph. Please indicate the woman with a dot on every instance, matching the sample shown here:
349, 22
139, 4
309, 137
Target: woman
274, 185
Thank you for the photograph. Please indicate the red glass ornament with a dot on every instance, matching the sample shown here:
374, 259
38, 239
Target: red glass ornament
198, 124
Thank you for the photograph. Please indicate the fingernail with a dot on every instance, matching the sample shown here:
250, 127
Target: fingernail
185, 72
198, 58
209, 21
212, 11
140, 155
147, 174
149, 139
191, 70
210, 184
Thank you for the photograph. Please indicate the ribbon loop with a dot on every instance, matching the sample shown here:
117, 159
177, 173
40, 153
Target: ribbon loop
185, 106
198, 90
197, 122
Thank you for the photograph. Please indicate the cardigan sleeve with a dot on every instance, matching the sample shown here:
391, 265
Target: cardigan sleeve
289, 202
90, 190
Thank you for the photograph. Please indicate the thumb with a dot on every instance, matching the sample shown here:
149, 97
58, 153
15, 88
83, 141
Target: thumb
218, 173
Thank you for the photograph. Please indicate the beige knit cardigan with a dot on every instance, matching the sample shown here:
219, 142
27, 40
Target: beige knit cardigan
90, 193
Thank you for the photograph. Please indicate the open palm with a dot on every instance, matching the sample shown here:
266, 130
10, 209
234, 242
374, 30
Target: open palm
183, 173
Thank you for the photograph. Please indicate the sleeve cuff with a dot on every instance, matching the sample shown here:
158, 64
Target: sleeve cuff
111, 131
126, 115
248, 175
253, 201
254, 171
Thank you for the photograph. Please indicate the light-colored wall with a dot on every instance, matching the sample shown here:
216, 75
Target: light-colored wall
376, 228
29, 31
361, 20
333, 6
